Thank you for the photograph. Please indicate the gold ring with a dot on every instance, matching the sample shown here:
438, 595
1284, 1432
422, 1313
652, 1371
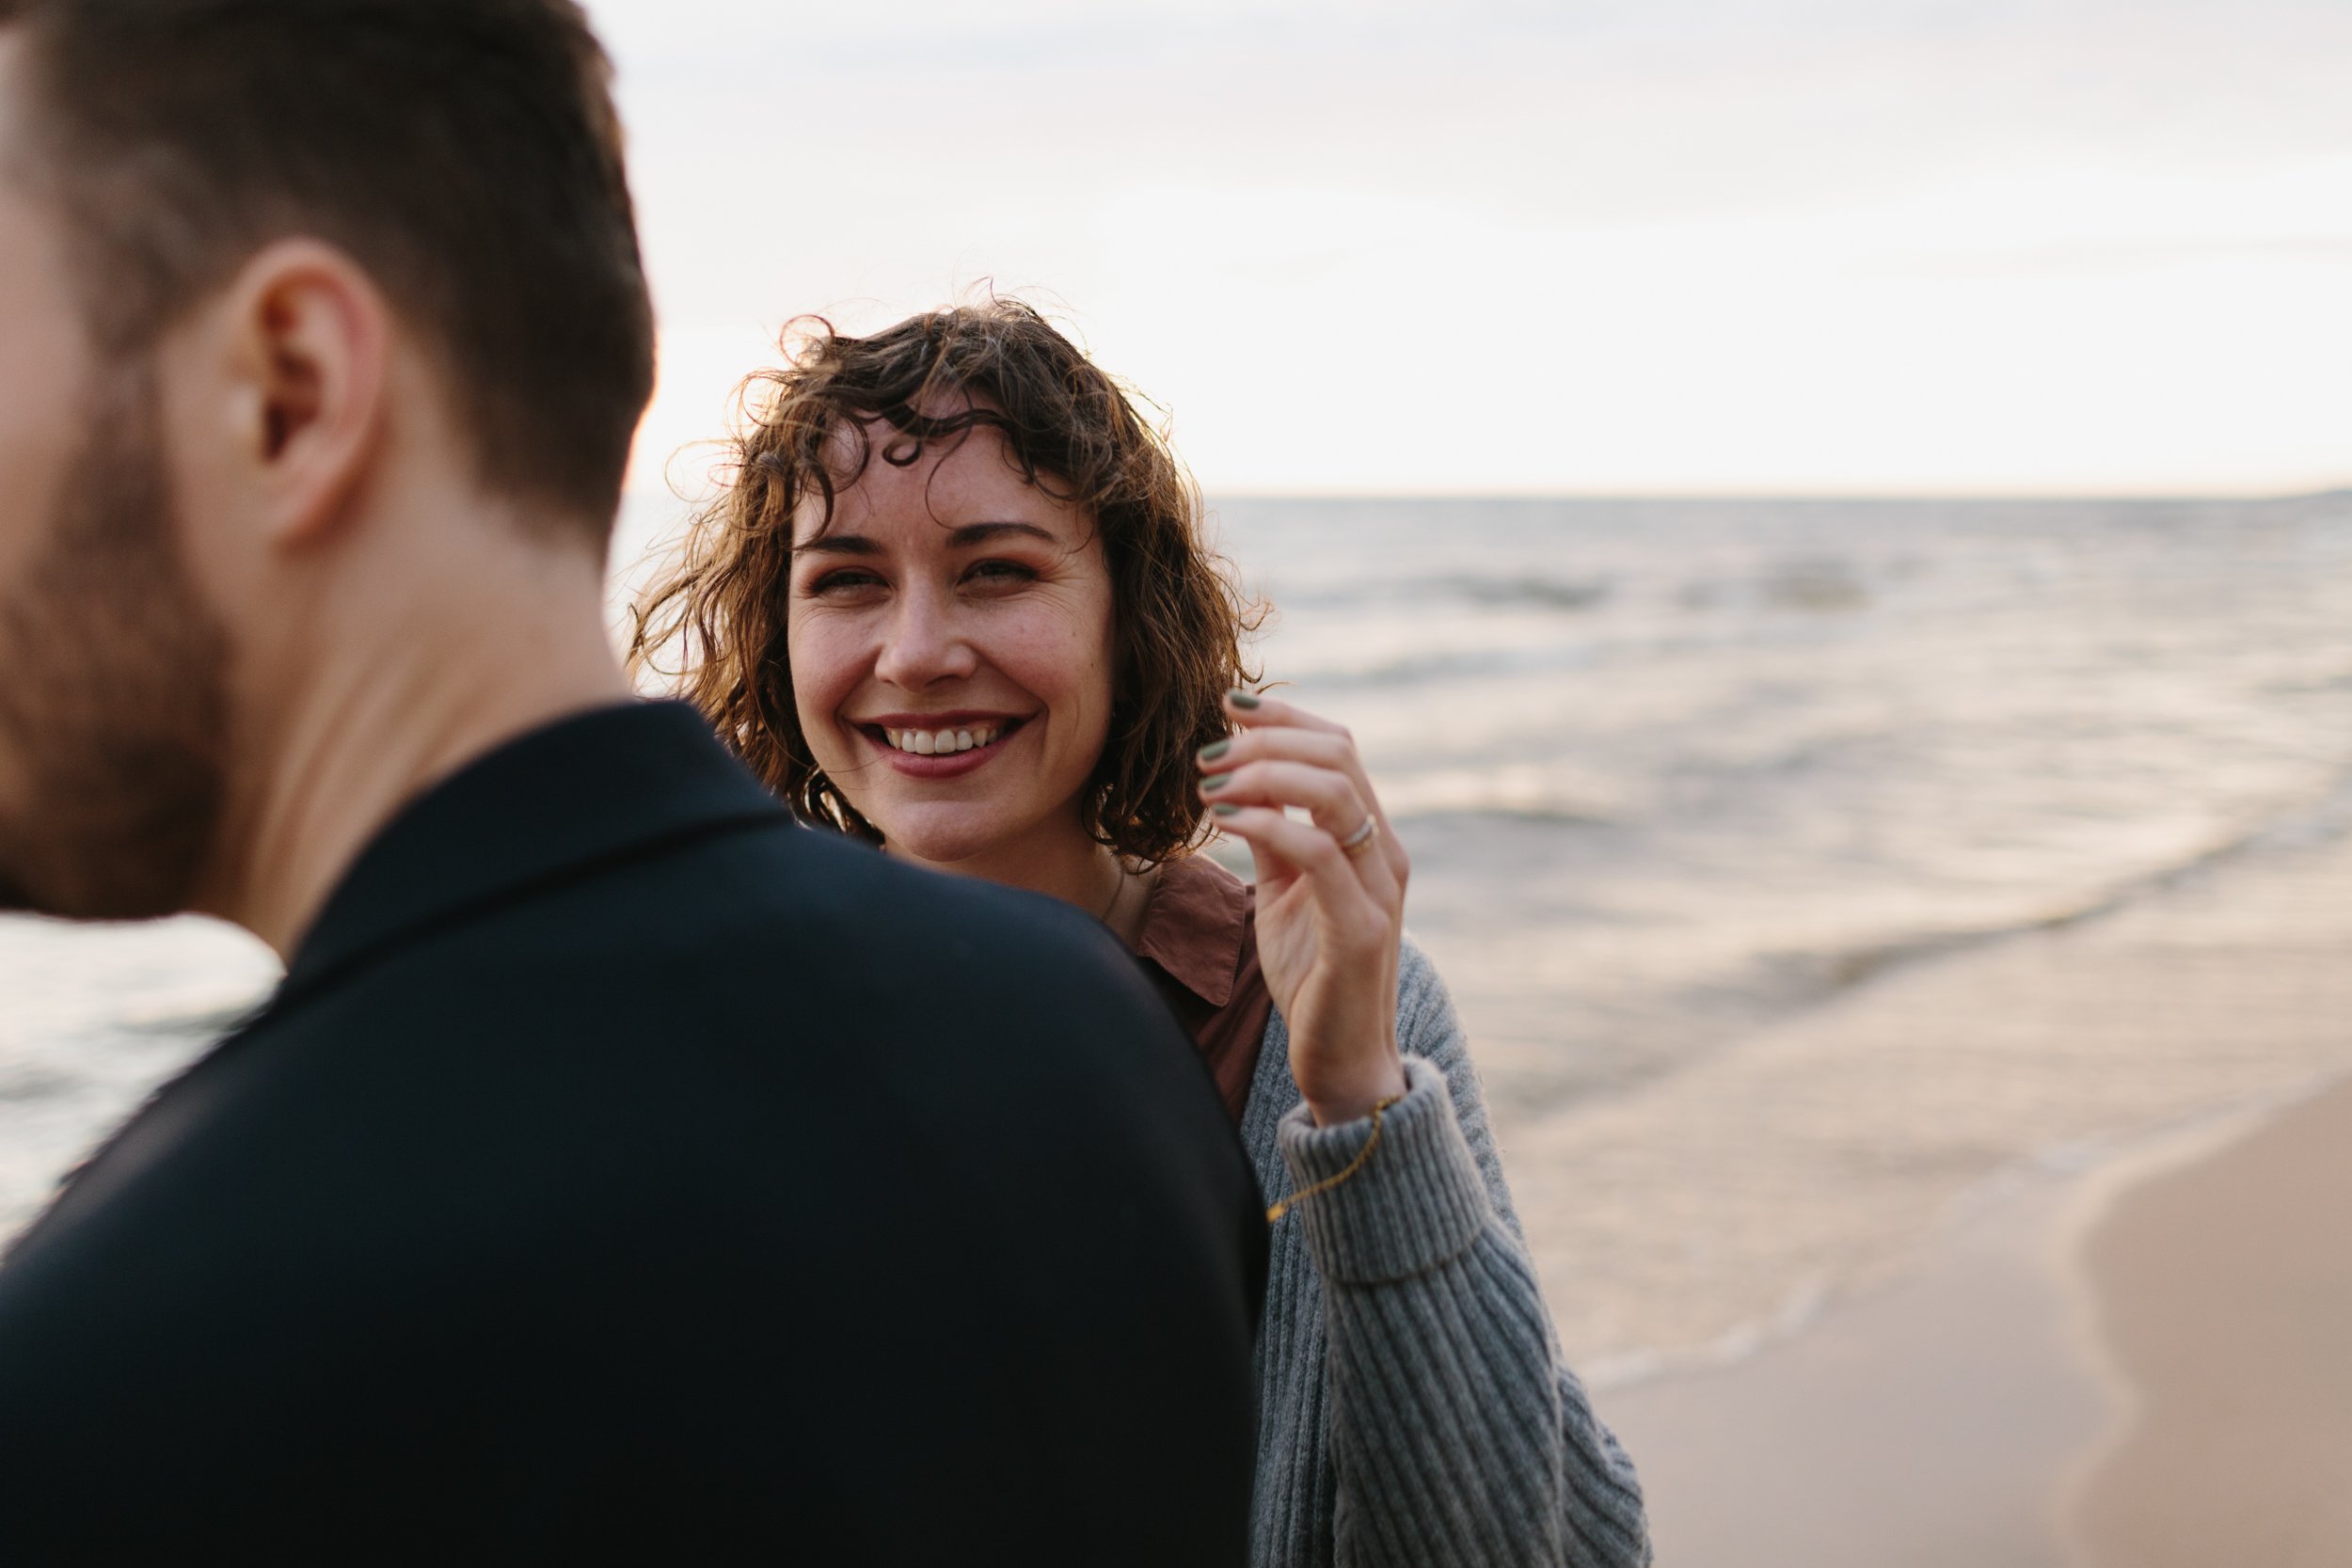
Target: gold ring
1362, 838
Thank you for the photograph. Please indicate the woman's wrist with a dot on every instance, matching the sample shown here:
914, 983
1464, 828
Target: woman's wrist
1352, 1096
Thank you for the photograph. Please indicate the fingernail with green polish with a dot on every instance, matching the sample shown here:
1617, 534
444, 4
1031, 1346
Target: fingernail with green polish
1210, 754
1215, 782
1242, 699
1225, 808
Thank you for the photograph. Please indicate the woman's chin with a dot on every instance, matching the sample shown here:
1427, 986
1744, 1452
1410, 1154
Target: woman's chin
946, 835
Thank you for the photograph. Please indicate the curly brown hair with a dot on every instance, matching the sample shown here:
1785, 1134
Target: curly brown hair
1178, 617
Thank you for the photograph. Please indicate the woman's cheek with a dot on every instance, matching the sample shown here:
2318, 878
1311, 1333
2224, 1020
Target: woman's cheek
1080, 636
821, 684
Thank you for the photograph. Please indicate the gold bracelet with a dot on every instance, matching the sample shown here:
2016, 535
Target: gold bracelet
1274, 1215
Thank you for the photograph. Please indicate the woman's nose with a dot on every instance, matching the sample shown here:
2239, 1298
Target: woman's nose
922, 646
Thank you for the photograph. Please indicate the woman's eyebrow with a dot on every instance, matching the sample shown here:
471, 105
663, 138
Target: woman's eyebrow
838, 543
964, 535
980, 533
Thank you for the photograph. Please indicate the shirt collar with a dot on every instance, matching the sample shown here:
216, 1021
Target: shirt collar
1194, 924
576, 792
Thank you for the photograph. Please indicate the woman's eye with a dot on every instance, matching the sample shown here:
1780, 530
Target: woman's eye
997, 572
846, 580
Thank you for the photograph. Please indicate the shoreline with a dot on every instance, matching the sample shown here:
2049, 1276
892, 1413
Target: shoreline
1980, 1409
1823, 1155
1884, 1235
1928, 1422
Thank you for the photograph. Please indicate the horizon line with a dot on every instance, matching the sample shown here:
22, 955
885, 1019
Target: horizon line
2322, 492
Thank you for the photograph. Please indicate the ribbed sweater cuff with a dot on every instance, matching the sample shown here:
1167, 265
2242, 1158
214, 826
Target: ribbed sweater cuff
1417, 1203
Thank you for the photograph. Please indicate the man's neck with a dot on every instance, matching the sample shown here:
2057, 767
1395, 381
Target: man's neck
392, 704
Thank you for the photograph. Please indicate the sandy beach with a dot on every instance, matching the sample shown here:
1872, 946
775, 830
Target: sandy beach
2129, 1349
1925, 1425
2222, 1301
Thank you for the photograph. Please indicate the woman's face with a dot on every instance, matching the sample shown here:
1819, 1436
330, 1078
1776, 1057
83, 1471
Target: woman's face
950, 639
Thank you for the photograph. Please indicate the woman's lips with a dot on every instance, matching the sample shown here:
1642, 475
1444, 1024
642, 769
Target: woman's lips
943, 764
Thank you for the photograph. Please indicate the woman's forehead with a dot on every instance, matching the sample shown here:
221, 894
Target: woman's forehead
962, 477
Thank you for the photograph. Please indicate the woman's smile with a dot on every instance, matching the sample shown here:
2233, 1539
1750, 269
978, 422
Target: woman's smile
939, 746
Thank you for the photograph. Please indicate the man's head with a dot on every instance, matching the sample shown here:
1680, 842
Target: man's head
258, 257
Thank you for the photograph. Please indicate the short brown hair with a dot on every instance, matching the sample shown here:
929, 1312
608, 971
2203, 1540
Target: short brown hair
1178, 616
464, 151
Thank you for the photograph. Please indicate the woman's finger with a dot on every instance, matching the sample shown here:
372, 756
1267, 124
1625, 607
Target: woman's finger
1273, 729
1283, 730
1339, 890
1251, 711
1322, 748
1329, 797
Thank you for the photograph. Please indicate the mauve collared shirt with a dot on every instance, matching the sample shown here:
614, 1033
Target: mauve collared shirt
1200, 945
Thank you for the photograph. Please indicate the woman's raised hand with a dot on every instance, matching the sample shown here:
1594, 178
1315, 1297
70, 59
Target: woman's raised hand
1330, 897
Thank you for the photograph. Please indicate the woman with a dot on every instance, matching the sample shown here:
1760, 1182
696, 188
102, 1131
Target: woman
955, 600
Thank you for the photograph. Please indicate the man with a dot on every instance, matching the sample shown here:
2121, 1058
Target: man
621, 1171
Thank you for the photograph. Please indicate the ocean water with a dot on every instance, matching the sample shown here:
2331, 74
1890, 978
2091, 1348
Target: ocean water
1672, 772
1671, 768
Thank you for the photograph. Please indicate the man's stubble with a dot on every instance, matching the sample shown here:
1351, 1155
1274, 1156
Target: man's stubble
114, 710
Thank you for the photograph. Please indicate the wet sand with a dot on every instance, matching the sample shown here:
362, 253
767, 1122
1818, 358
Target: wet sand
2121, 1332
1827, 1153
1922, 1426
2222, 1297
2148, 1365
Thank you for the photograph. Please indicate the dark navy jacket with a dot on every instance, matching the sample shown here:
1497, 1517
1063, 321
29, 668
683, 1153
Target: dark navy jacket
623, 1172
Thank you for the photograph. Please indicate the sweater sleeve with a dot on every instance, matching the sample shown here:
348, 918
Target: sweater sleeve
1458, 1434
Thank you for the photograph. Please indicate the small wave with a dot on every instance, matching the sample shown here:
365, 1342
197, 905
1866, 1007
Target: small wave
1810, 587
1524, 591
1543, 815
1421, 669
1817, 587
1542, 794
1800, 1310
2324, 821
1541, 593
2313, 686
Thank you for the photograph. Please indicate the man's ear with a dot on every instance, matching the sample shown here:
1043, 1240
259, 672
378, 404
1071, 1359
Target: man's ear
307, 335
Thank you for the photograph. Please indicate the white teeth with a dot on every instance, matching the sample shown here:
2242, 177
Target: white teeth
927, 743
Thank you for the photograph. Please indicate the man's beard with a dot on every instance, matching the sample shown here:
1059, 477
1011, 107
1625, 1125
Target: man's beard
113, 699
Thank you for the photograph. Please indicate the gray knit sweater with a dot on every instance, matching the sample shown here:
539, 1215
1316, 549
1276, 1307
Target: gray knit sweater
1414, 1407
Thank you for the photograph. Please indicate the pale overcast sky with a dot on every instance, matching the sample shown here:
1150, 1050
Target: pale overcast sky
1681, 245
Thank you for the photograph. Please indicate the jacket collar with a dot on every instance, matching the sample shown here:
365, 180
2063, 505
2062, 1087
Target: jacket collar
542, 808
